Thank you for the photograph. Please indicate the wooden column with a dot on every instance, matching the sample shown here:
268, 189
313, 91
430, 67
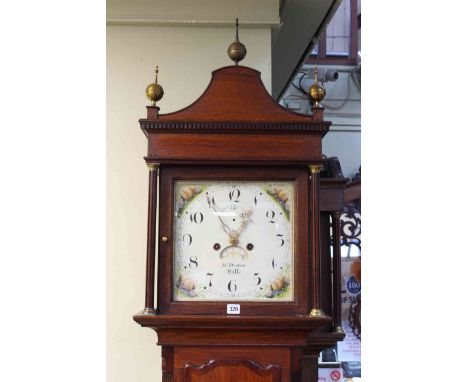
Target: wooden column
336, 232
151, 237
314, 192
167, 363
309, 369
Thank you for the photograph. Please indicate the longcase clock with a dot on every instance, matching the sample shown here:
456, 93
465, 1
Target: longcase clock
245, 287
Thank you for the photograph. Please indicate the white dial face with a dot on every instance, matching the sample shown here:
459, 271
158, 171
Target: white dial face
233, 241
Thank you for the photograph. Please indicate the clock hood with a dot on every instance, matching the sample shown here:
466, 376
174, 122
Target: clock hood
236, 94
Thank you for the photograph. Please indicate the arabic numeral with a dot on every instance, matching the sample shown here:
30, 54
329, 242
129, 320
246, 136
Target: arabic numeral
234, 195
270, 216
281, 238
193, 262
258, 278
210, 275
275, 265
232, 286
196, 217
187, 239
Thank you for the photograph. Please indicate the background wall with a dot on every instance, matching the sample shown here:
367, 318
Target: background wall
186, 55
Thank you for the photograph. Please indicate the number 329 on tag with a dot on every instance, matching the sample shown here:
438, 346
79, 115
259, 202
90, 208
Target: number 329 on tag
233, 309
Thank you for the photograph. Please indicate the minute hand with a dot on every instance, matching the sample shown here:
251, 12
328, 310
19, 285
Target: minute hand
224, 226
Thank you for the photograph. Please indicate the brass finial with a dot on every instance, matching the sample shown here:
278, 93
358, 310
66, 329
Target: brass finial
317, 92
339, 330
237, 51
154, 91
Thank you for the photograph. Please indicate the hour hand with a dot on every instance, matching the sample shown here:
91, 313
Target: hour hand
245, 217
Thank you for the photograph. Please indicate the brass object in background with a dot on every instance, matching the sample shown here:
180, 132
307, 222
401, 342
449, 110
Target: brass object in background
316, 313
317, 92
237, 51
154, 91
164, 239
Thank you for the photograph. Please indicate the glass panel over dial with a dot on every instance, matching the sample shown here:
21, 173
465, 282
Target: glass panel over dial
233, 241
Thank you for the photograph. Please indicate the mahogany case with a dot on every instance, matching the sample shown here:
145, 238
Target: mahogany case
235, 130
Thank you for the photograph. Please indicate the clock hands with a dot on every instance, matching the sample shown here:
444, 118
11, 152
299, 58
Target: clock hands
233, 234
245, 219
224, 226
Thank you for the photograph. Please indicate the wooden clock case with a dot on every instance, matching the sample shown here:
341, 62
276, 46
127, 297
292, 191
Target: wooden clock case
236, 131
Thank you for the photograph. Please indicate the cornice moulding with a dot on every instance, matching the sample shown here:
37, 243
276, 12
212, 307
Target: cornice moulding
268, 23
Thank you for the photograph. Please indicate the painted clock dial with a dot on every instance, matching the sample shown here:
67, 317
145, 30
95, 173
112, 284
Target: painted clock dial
233, 241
